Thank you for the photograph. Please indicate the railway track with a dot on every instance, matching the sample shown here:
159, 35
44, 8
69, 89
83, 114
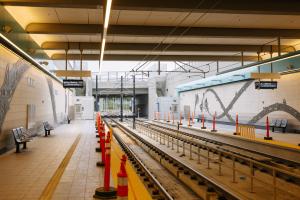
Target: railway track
280, 155
214, 154
202, 187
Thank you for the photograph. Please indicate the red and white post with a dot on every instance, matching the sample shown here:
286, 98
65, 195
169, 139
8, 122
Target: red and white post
122, 189
106, 191
268, 130
203, 122
236, 125
214, 123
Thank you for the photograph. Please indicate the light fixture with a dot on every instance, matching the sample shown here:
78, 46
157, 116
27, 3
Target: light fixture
104, 33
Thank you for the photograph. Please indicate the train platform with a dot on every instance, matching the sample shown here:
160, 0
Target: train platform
62, 166
290, 140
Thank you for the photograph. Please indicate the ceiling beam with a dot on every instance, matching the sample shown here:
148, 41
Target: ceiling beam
128, 57
133, 30
161, 47
288, 7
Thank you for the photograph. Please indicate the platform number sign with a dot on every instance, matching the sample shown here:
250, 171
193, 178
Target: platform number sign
266, 85
72, 83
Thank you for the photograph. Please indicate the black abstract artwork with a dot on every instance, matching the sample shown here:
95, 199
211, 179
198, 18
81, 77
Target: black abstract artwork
204, 105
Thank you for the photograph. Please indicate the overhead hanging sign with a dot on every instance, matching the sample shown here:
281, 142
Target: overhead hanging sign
73, 73
266, 85
72, 83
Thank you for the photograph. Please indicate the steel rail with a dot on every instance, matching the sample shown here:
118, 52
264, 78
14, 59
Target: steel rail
219, 189
276, 152
136, 161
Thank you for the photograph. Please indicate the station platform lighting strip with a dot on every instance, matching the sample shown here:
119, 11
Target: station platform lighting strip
241, 73
28, 57
105, 26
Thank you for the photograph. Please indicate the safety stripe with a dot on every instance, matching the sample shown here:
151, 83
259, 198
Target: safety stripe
51, 186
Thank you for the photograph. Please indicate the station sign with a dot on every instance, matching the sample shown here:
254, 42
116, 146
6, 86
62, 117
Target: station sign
72, 83
266, 85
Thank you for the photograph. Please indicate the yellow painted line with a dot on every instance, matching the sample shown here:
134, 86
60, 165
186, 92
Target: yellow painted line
136, 188
279, 143
50, 188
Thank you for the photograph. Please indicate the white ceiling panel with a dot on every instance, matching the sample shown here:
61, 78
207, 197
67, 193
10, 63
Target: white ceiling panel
27, 15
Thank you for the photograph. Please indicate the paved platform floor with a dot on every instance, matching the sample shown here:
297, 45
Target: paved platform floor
25, 175
40, 171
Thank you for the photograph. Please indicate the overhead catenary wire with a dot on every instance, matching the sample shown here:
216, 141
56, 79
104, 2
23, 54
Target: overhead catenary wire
173, 30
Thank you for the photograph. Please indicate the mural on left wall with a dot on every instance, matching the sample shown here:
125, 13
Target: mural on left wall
13, 75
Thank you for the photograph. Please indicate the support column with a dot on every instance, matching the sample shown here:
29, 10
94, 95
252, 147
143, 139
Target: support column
279, 46
242, 58
133, 121
97, 97
159, 67
121, 100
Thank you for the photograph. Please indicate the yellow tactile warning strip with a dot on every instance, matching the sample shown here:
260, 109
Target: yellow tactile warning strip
50, 188
279, 143
136, 188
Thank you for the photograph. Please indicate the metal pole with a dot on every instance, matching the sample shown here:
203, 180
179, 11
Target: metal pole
133, 121
279, 46
66, 61
80, 61
97, 99
121, 99
242, 61
217, 67
159, 67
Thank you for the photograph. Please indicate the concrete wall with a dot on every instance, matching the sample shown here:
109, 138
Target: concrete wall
252, 105
27, 97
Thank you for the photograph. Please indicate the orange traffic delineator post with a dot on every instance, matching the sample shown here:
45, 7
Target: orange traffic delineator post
267, 130
106, 192
236, 125
203, 121
102, 129
189, 119
101, 132
98, 127
122, 189
214, 124
168, 117
180, 119
102, 145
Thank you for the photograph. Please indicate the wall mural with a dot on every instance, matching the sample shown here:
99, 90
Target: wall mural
13, 75
51, 90
204, 105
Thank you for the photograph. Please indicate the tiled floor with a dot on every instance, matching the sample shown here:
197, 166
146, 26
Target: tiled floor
81, 176
25, 175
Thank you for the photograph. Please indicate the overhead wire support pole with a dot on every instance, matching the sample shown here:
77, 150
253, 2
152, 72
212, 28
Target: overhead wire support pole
121, 100
80, 60
279, 46
97, 98
67, 49
159, 67
242, 58
133, 121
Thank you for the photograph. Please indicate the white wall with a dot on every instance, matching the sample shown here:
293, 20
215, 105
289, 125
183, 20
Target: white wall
251, 102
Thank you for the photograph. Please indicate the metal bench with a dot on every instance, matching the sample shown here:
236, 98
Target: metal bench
47, 128
279, 124
21, 136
